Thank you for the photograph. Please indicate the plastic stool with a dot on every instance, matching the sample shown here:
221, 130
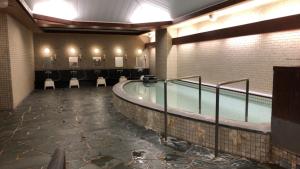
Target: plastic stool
74, 82
49, 83
101, 81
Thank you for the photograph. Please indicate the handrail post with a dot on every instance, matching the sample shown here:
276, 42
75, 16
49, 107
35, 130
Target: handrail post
200, 81
166, 108
247, 100
217, 121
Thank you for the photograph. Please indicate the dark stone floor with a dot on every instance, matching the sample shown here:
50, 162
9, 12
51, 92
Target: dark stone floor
94, 136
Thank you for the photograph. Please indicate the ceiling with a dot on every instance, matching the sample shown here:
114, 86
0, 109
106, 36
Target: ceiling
122, 11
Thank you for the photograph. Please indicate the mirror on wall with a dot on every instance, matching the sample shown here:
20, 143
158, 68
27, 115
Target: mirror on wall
73, 62
119, 61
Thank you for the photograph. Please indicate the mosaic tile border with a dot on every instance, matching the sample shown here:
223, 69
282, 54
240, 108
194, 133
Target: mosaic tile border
253, 145
285, 158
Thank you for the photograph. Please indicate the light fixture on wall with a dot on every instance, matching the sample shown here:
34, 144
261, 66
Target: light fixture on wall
47, 53
139, 51
118, 51
50, 57
212, 17
140, 58
97, 57
74, 52
96, 51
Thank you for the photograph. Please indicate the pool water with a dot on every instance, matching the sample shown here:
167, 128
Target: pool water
185, 97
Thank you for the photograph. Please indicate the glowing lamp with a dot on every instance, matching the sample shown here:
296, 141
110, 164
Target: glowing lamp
118, 51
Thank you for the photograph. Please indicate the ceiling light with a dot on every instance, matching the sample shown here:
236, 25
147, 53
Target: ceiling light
149, 13
56, 8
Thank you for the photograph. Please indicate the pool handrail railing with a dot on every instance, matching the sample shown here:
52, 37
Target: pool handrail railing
166, 99
218, 87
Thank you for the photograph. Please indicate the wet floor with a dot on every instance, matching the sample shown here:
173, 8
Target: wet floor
94, 136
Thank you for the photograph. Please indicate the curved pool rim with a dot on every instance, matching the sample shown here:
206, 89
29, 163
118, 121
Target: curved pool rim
119, 91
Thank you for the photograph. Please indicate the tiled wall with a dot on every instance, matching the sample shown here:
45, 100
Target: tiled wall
250, 57
16, 62
161, 51
241, 57
59, 43
5, 78
285, 158
250, 144
152, 61
21, 60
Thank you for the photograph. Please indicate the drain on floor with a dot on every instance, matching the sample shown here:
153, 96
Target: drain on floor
138, 155
176, 144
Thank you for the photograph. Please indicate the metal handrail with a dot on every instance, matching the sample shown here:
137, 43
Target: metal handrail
166, 98
217, 108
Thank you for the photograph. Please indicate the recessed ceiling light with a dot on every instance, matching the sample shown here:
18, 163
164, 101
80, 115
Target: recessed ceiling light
149, 13
56, 8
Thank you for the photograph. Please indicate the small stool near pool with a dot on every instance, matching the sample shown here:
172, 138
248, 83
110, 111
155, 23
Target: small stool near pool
74, 82
122, 78
101, 81
49, 83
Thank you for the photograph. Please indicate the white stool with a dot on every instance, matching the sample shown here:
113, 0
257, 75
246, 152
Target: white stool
74, 82
101, 81
49, 83
122, 78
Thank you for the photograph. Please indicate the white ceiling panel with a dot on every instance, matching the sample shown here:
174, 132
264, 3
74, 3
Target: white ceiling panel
122, 10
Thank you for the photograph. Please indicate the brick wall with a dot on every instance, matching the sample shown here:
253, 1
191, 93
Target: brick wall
60, 42
21, 60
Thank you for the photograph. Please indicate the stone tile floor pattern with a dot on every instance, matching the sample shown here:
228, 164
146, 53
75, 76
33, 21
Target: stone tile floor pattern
94, 136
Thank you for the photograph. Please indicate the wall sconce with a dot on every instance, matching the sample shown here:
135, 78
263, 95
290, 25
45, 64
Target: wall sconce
48, 54
74, 57
96, 51
140, 61
139, 52
118, 51
73, 52
97, 57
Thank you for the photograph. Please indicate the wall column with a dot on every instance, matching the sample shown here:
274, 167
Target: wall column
163, 47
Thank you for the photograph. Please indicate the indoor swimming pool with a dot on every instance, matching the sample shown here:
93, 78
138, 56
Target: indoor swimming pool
185, 96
